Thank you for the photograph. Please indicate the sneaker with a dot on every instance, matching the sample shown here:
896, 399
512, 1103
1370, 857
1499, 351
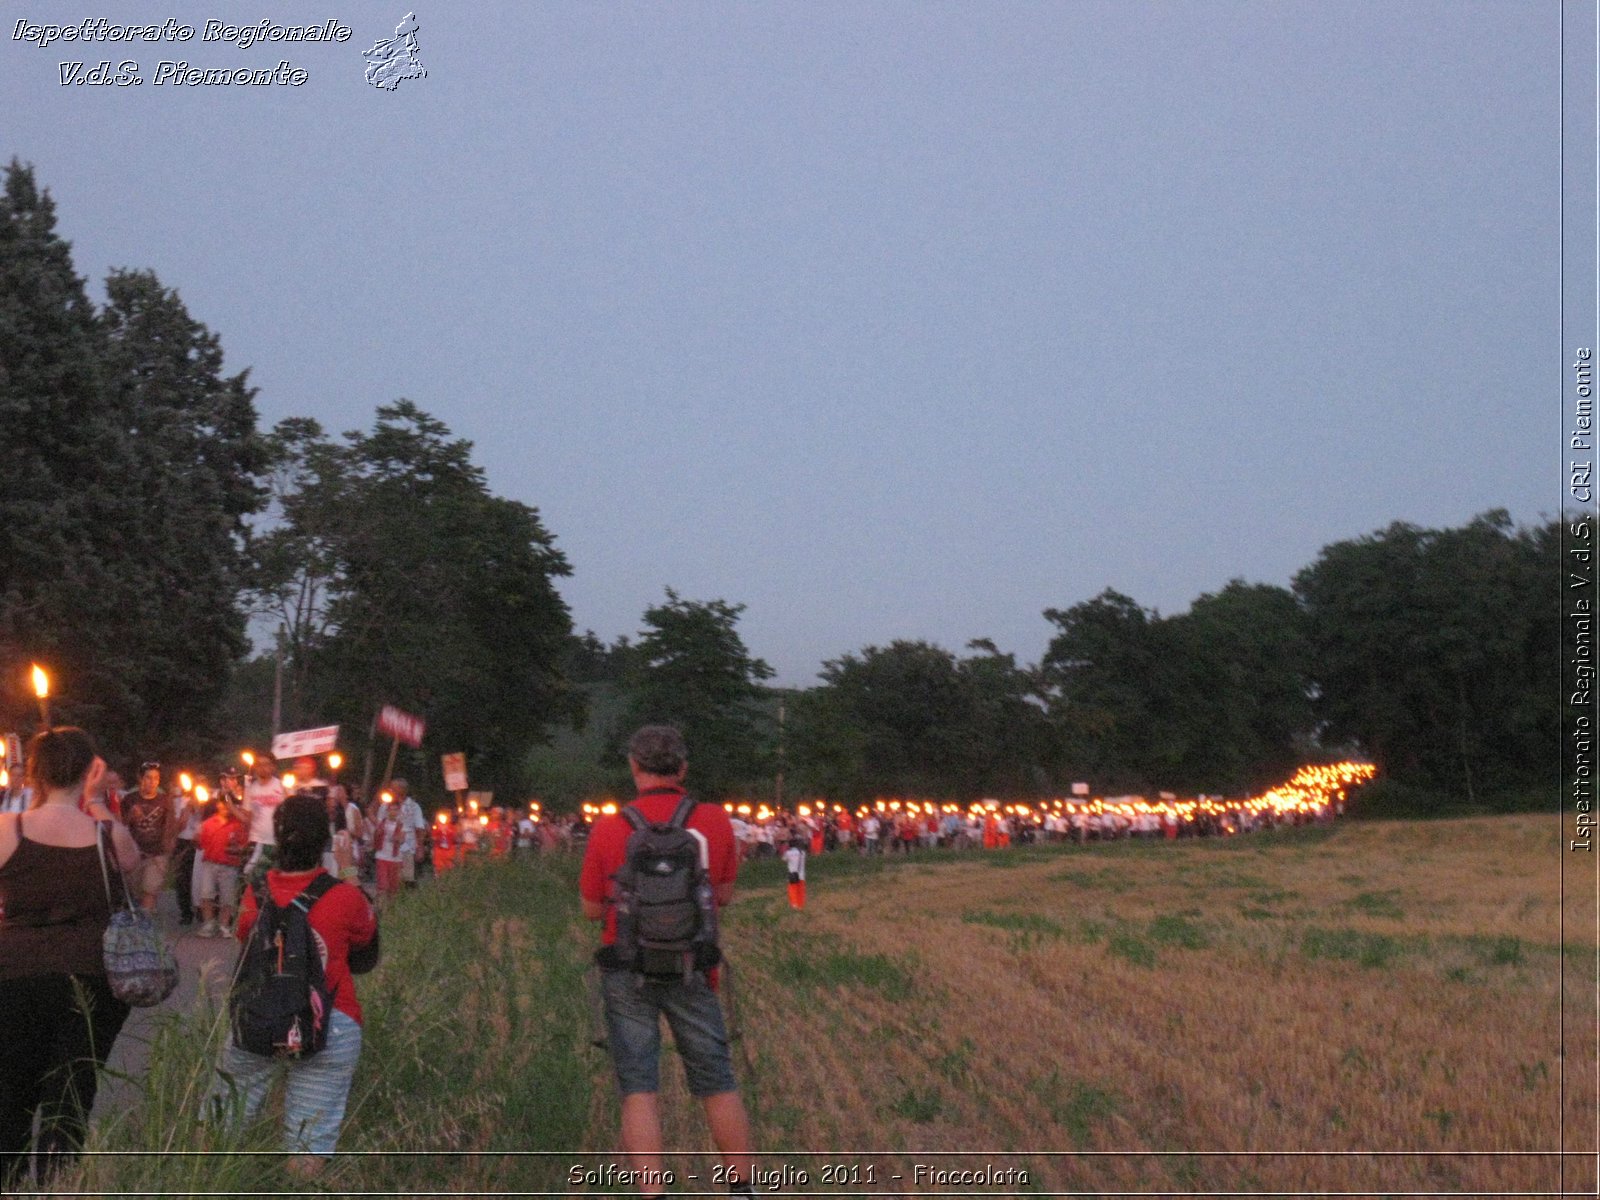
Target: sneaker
209, 929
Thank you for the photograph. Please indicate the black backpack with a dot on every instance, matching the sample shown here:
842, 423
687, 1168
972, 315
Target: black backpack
666, 910
281, 1004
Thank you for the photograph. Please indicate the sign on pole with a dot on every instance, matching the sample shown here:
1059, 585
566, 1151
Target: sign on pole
455, 772
401, 726
305, 743
484, 800
1080, 789
13, 752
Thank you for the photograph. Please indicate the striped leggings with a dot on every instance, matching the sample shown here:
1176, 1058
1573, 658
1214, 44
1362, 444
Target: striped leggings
318, 1087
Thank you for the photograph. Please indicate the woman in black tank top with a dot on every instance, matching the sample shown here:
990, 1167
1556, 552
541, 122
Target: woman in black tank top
58, 1018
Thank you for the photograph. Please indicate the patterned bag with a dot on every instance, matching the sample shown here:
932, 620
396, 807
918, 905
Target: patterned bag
140, 966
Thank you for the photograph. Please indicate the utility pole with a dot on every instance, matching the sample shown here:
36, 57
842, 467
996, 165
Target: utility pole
277, 688
778, 798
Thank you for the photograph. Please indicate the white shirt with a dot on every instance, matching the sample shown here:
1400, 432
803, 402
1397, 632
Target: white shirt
411, 815
795, 859
394, 840
261, 800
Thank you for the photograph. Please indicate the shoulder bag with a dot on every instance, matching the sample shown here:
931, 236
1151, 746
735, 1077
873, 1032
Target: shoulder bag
140, 966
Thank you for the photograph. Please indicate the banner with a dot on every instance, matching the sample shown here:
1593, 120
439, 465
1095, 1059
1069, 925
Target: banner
305, 743
455, 772
1080, 789
402, 726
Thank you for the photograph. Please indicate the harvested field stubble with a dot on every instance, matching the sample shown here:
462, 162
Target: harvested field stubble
1402, 992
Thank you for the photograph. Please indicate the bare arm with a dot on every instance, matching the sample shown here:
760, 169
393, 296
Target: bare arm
123, 848
122, 842
8, 835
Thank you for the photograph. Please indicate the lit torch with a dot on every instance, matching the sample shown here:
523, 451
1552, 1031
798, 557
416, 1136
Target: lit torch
41, 689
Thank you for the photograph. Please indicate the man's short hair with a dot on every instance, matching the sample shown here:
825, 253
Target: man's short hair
658, 749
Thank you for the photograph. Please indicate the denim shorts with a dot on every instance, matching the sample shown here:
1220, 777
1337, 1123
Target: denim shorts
634, 1008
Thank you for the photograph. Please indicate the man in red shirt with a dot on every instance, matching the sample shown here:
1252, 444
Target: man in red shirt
635, 1003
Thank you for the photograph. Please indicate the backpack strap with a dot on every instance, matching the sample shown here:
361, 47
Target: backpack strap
314, 891
680, 818
633, 816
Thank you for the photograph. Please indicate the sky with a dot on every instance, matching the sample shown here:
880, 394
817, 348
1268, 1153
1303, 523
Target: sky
885, 320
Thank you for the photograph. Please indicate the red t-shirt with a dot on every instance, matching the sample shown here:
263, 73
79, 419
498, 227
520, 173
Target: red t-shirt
340, 920
222, 839
608, 842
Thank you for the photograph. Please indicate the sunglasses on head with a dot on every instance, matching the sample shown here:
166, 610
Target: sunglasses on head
149, 766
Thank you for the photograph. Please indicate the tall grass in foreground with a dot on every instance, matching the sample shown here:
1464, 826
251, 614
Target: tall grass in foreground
473, 1040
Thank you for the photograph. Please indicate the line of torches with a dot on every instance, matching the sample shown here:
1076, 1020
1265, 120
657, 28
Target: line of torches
472, 813
1310, 788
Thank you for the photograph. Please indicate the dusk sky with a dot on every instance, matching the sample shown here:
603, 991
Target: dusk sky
887, 320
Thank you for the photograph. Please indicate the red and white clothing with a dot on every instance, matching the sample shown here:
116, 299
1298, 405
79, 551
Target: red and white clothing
393, 844
261, 800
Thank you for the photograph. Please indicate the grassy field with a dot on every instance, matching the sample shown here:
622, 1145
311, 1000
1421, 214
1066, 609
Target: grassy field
1256, 1015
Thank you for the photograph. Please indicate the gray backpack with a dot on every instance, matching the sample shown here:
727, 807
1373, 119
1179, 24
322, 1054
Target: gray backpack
666, 910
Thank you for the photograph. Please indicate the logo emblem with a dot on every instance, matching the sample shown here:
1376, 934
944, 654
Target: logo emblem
391, 61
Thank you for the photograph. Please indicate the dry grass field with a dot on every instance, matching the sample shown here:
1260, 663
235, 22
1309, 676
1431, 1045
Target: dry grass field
1293, 1012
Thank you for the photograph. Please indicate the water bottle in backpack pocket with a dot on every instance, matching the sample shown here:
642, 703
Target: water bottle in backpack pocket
665, 906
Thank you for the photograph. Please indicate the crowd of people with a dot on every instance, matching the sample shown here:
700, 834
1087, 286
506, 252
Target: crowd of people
1314, 795
247, 850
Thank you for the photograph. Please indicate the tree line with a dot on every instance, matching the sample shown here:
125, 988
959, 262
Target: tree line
146, 520
1432, 651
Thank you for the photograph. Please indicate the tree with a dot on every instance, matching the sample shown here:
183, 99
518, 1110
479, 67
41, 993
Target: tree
294, 567
1216, 699
1007, 733
127, 467
62, 458
691, 669
1240, 689
185, 502
1434, 652
911, 719
403, 580
1108, 674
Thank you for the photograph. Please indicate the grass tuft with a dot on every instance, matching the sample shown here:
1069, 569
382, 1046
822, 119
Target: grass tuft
1168, 930
1014, 922
1073, 1104
919, 1105
1378, 904
1125, 944
811, 967
1369, 949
